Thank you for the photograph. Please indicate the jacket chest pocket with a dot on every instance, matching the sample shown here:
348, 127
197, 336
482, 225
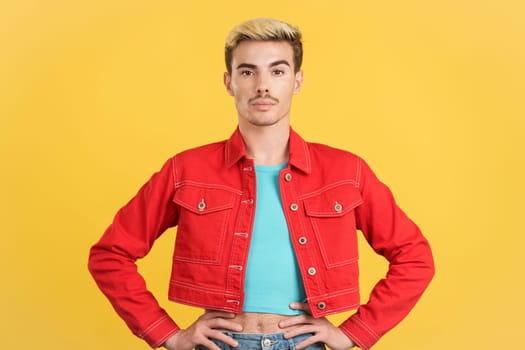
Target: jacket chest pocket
203, 223
331, 214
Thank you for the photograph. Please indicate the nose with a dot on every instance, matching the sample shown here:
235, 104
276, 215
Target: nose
262, 85
262, 90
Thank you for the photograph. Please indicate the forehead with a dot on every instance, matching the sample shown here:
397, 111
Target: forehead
262, 53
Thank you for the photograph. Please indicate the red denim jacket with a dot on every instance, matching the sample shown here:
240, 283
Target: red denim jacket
209, 193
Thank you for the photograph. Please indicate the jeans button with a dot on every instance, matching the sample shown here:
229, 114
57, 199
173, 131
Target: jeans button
266, 342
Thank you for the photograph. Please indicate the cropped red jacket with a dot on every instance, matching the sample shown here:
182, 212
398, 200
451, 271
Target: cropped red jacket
209, 193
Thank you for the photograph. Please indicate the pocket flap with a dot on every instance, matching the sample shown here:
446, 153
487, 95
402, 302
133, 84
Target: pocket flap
203, 200
333, 201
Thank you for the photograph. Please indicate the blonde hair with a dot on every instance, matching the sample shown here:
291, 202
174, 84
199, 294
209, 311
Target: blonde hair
264, 29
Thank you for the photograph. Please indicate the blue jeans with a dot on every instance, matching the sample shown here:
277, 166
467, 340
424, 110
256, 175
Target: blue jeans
274, 341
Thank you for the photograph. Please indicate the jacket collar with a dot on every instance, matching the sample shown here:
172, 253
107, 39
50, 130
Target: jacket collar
299, 156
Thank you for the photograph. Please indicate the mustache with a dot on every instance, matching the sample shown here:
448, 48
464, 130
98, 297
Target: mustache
267, 97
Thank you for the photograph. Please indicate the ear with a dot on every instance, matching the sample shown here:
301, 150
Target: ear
228, 83
298, 82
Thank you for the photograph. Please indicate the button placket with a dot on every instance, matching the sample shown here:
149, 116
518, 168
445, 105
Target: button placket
240, 242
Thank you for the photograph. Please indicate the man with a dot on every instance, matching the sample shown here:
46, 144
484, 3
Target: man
266, 238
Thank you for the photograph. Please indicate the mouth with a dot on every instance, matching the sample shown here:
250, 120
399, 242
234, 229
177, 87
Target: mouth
263, 102
262, 107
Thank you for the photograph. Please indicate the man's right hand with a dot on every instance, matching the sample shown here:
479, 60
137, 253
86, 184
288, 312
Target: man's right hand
201, 331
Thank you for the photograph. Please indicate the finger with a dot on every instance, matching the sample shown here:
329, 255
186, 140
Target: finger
216, 314
208, 344
306, 329
307, 342
295, 320
300, 306
226, 339
221, 323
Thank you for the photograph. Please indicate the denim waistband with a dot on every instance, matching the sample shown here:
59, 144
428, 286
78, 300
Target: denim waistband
272, 341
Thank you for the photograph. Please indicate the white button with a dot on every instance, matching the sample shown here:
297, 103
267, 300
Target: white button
312, 271
288, 177
267, 342
294, 206
201, 205
302, 240
321, 305
338, 207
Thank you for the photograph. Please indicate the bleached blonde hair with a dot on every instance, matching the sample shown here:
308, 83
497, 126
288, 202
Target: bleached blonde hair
264, 29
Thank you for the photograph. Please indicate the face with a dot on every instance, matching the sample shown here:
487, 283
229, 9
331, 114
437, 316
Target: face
263, 82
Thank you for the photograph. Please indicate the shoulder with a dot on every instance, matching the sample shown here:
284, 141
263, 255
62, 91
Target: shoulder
199, 154
199, 151
325, 153
199, 163
335, 164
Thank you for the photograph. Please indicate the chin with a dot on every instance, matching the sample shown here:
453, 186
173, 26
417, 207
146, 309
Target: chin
262, 119
264, 122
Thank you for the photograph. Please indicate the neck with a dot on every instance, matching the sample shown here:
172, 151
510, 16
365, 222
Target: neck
267, 145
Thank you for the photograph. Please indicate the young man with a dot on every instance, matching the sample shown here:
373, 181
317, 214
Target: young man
266, 238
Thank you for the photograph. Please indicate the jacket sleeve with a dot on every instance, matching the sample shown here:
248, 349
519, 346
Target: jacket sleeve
393, 235
130, 237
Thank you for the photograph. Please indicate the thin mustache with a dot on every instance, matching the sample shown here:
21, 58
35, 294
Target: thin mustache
251, 100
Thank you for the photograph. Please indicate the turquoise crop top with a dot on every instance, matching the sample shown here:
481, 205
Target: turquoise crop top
272, 278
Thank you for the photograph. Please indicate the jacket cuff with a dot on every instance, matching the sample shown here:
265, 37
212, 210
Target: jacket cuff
359, 332
157, 334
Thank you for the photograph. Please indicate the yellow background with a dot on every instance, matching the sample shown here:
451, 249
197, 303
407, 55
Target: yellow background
95, 95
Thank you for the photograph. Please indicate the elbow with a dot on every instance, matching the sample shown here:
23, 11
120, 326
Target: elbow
97, 261
428, 267
92, 261
432, 269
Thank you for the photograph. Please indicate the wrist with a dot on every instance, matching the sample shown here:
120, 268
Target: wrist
170, 342
351, 343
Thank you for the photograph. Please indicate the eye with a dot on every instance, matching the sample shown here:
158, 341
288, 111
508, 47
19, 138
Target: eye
278, 72
247, 73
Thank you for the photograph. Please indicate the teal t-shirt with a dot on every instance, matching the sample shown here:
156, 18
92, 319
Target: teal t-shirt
272, 279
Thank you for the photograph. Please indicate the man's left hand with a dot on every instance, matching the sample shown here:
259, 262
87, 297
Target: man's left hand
323, 331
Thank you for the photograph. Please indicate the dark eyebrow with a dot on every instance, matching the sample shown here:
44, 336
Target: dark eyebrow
246, 65
276, 63
253, 66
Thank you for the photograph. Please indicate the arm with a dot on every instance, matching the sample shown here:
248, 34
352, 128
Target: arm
393, 235
130, 237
